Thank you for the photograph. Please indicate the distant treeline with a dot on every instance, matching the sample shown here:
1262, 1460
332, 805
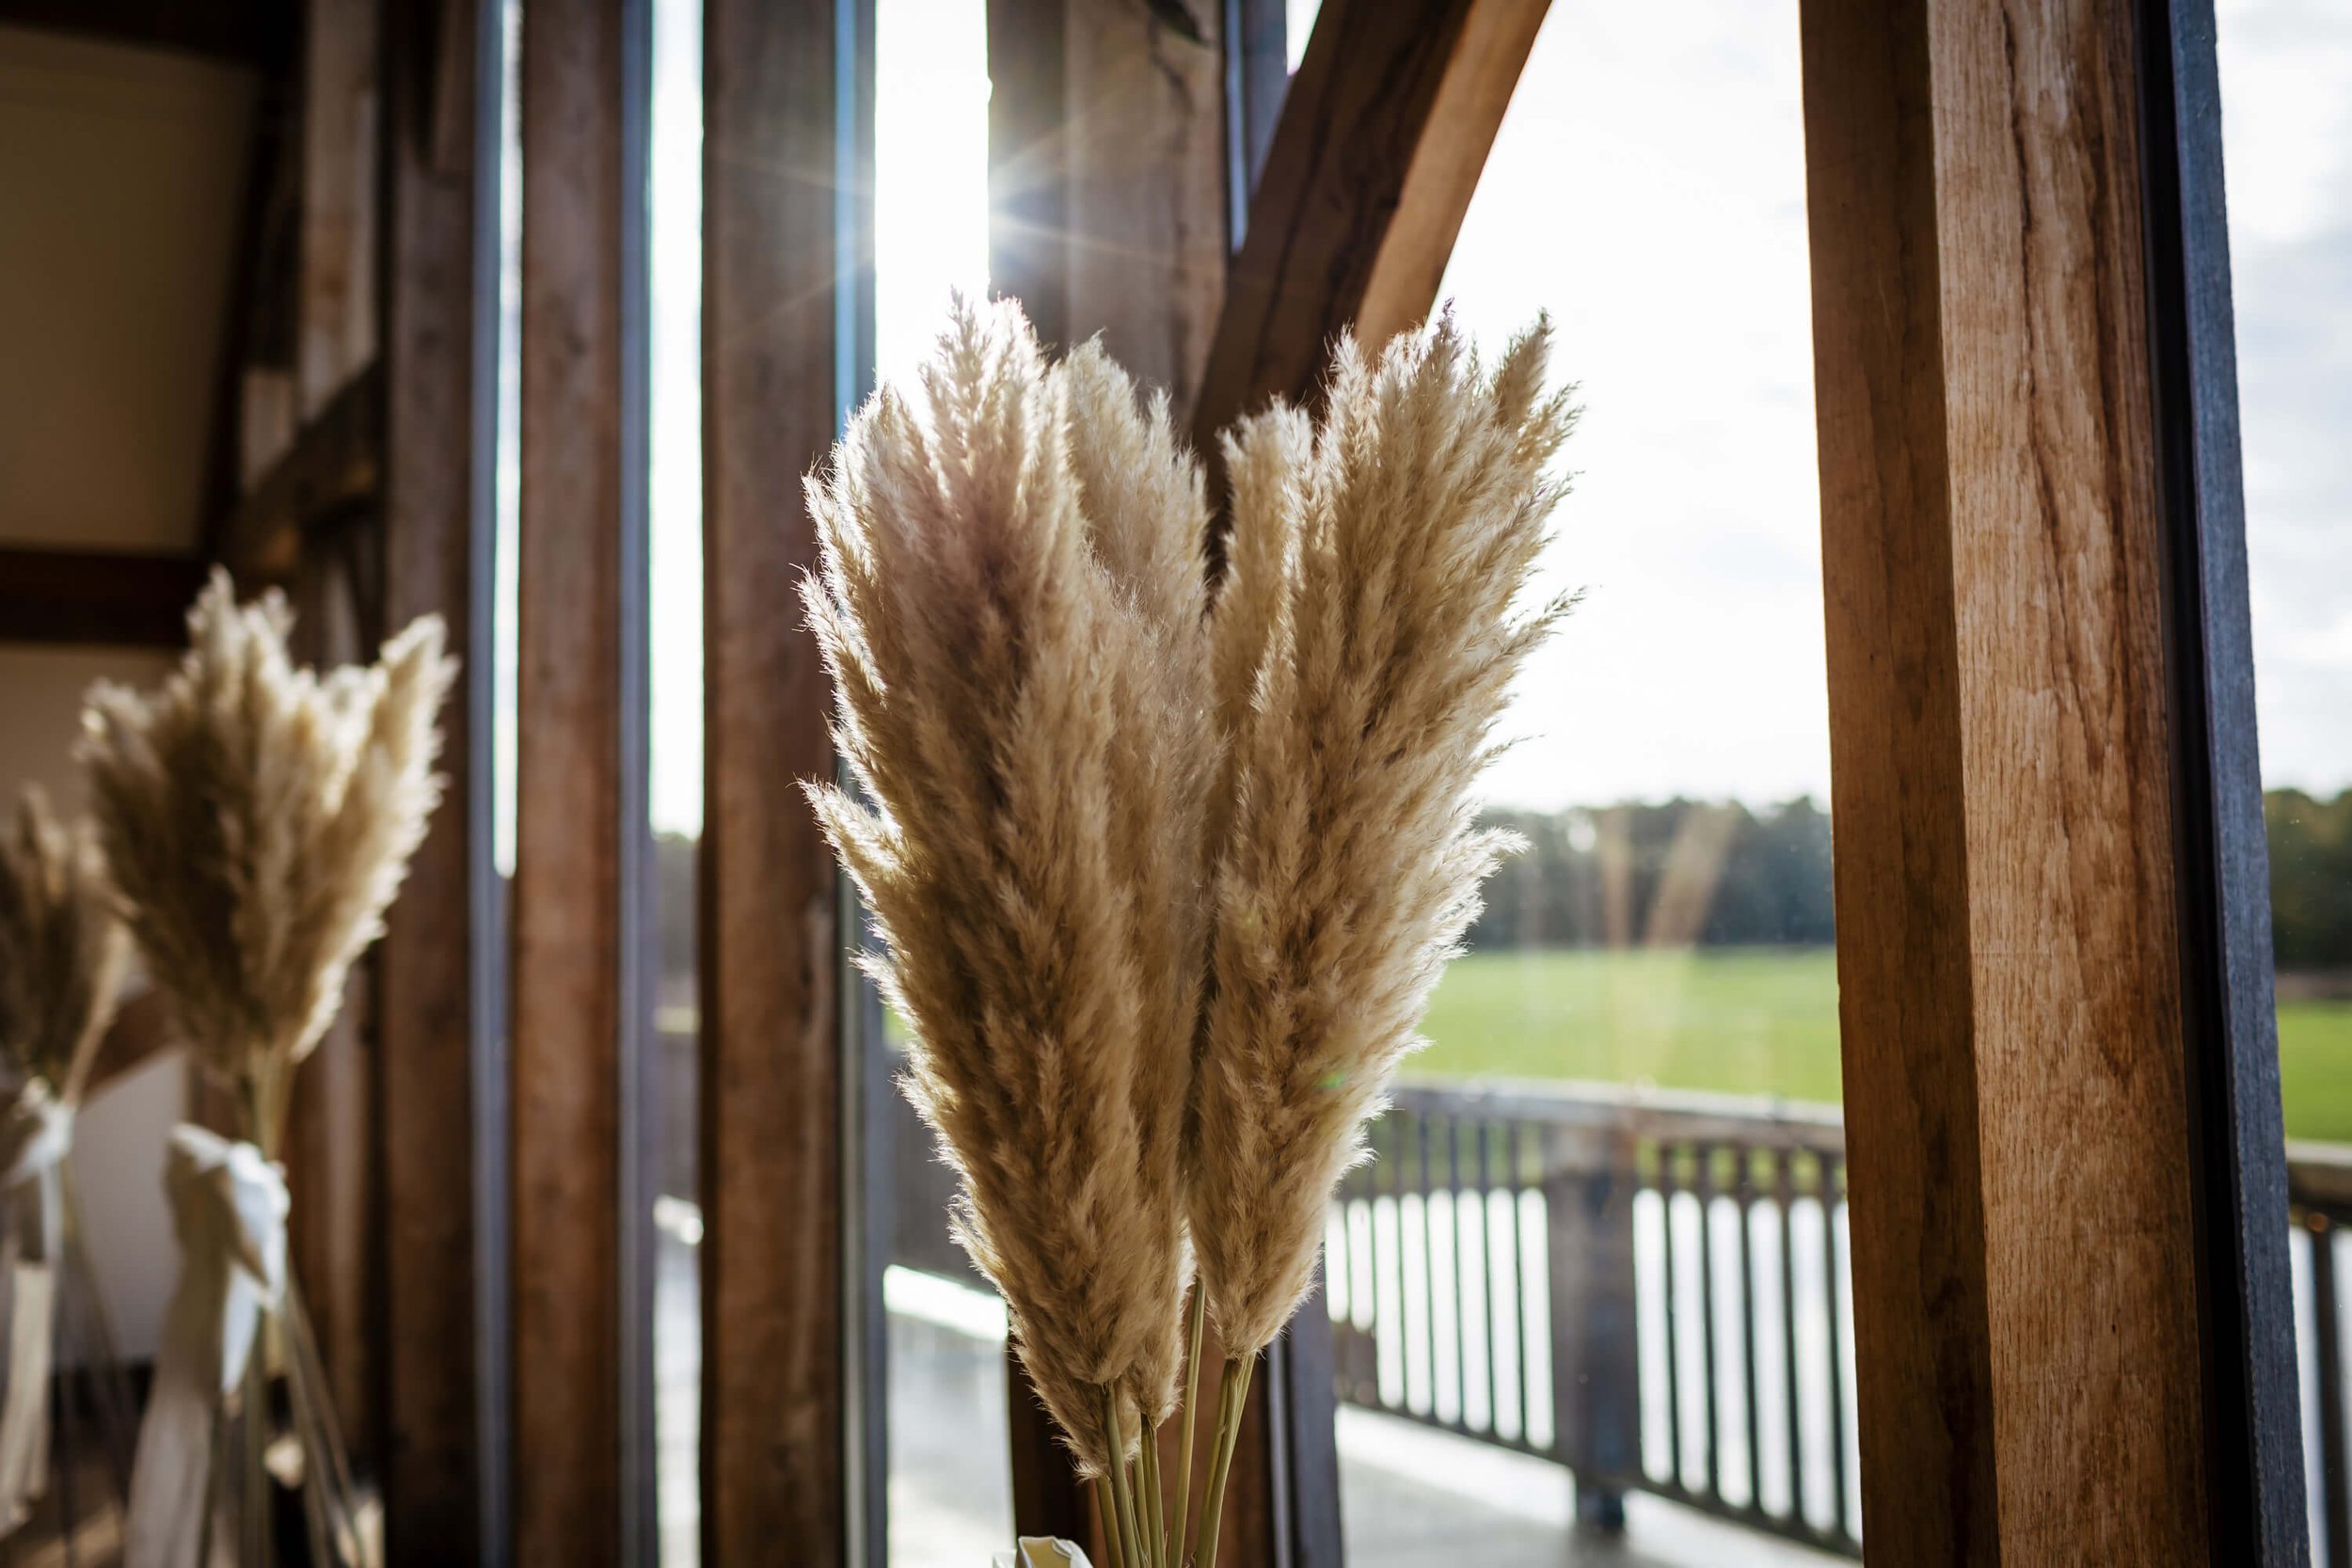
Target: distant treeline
1721, 874
2310, 879
1662, 875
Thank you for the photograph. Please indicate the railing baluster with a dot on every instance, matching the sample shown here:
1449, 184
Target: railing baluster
1520, 1375
1425, 1171
2336, 1515
1486, 1262
1666, 1175
1789, 1329
1743, 1191
1829, 1172
1461, 1273
1711, 1446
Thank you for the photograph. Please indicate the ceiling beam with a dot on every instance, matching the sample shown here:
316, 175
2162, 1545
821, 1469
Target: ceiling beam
242, 32
96, 597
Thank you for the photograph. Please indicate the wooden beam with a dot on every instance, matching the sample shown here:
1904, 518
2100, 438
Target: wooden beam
340, 95
2003, 737
567, 959
435, 445
1380, 147
243, 32
96, 596
776, 1383
334, 468
1108, 178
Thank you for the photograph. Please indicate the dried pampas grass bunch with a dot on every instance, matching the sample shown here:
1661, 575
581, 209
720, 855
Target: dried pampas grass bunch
259, 818
1168, 861
62, 952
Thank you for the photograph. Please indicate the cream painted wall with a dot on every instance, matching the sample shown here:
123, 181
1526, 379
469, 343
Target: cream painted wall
120, 1137
124, 174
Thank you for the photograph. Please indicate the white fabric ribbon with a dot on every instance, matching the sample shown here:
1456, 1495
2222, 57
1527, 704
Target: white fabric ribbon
1044, 1551
36, 1135
229, 1206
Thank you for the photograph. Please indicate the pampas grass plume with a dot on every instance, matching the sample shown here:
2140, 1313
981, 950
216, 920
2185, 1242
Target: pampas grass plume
259, 818
62, 951
1167, 873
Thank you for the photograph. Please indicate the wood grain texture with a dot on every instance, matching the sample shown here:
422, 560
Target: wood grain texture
771, 1159
430, 1464
2008, 969
1378, 149
337, 308
566, 961
1107, 180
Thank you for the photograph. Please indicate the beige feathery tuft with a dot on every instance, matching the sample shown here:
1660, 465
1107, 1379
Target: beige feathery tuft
1365, 638
62, 951
1010, 601
1165, 884
259, 818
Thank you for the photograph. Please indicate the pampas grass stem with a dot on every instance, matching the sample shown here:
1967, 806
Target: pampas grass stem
1176, 1524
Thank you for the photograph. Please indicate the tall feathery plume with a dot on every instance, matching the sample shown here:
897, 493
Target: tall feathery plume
1166, 883
1010, 601
1365, 638
62, 952
258, 820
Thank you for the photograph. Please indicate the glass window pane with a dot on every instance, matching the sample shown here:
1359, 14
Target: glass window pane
674, 761
1661, 1314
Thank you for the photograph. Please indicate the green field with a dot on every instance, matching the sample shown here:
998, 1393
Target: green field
1752, 1021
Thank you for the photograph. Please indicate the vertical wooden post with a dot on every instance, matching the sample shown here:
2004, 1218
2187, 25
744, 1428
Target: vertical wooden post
568, 911
430, 1463
1589, 1181
1107, 180
2001, 641
777, 1381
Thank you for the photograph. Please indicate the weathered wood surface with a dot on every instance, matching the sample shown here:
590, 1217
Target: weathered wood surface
1107, 180
775, 1378
2009, 973
567, 934
333, 469
430, 1455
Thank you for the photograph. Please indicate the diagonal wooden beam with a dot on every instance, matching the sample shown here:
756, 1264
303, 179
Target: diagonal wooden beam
1373, 161
334, 469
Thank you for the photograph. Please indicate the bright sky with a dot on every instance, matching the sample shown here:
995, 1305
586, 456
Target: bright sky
1648, 190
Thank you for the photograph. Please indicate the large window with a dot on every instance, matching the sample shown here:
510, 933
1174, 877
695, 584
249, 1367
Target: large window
1593, 1233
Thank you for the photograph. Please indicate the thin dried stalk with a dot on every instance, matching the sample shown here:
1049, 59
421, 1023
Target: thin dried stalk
259, 818
62, 951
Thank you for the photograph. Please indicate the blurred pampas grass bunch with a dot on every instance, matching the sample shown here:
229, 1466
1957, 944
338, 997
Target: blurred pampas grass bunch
259, 818
62, 952
1168, 857
63, 955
